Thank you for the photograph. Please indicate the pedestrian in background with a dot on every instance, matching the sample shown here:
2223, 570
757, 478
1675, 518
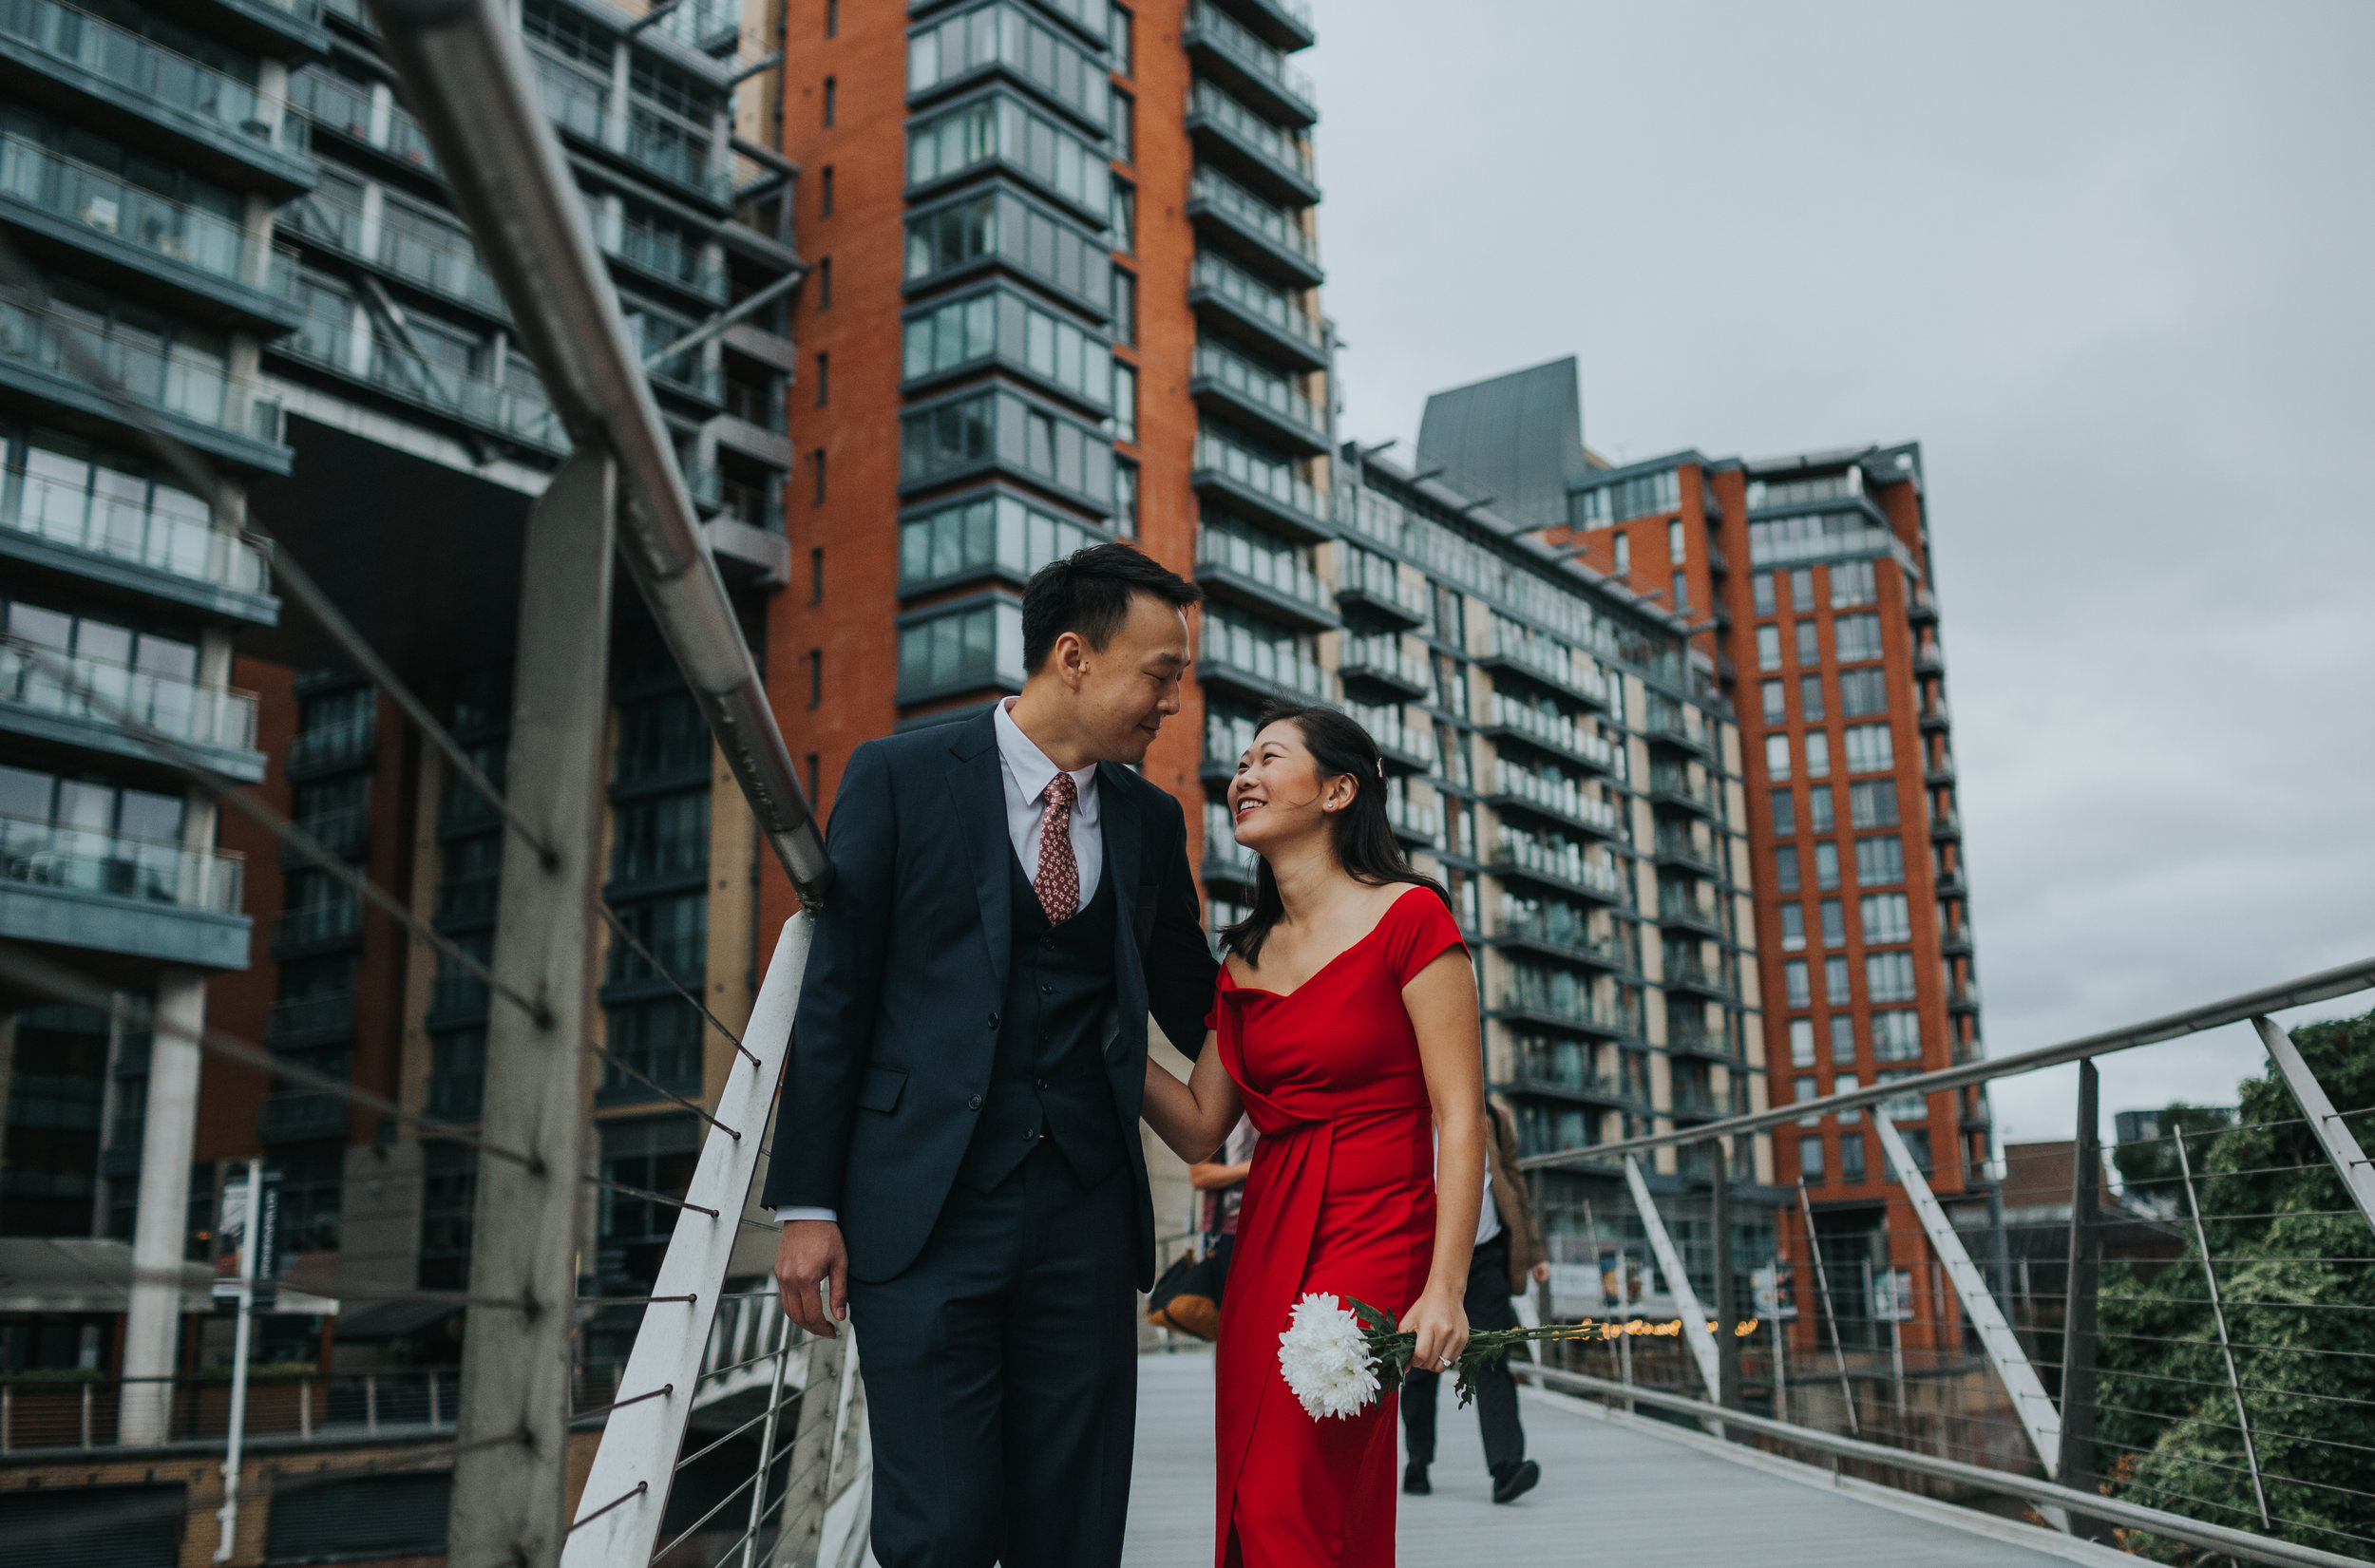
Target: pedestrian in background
1508, 1255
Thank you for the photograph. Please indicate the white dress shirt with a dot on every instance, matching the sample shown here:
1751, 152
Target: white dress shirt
1489, 1213
1026, 771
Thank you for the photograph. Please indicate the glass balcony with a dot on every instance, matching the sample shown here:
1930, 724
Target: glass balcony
1551, 731
1276, 234
331, 746
1384, 658
1419, 820
656, 142
1673, 787
160, 79
1560, 863
334, 919
176, 381
1564, 1063
83, 859
310, 1020
1560, 926
1551, 662
451, 269
1373, 581
1290, 155
671, 258
1281, 572
1291, 499
301, 1116
343, 107
124, 519
447, 390
1402, 740
1290, 413
1565, 996
1681, 849
67, 188
1262, 71
1292, 328
102, 693
1554, 796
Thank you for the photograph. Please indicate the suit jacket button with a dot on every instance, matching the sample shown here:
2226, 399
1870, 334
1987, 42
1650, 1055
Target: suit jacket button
993, 1020
974, 1104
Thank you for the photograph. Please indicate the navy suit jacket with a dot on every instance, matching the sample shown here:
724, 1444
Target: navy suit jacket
897, 1026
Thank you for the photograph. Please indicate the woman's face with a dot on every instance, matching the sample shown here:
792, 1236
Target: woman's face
1278, 797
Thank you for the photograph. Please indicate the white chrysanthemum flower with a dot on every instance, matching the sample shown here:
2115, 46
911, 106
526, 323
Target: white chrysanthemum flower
1326, 1359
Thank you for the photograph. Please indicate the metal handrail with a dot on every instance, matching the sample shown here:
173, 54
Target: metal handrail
466, 76
2320, 987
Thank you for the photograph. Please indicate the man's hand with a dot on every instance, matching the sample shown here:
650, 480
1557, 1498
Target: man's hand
810, 1253
1541, 1272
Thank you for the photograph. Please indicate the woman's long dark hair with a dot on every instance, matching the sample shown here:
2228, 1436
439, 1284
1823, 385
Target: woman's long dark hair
1362, 837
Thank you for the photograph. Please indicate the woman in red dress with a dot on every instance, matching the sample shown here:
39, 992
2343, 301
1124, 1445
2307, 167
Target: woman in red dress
1345, 1027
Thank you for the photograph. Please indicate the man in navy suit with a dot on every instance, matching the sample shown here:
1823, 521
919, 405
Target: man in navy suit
957, 1153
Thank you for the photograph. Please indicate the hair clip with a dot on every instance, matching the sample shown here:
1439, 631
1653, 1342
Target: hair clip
1380, 767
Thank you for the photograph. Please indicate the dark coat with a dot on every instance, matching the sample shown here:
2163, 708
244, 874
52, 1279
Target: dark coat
897, 1026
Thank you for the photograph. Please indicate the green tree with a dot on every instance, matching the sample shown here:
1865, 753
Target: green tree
2291, 1254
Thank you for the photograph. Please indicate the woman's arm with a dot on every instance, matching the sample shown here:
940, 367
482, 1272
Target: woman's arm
1441, 999
1211, 1176
1193, 1118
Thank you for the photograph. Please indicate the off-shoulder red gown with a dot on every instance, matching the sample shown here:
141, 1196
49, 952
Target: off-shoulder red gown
1341, 1200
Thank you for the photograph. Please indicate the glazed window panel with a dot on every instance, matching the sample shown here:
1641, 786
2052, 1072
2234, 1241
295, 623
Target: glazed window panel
973, 537
976, 645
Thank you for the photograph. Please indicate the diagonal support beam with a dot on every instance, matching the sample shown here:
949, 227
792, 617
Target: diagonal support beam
638, 1456
2333, 1133
2039, 1418
1695, 1333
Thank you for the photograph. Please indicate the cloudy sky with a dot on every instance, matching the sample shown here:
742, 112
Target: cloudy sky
2109, 263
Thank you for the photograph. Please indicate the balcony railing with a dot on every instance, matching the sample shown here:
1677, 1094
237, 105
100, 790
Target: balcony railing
303, 1116
330, 100
577, 106
1384, 656
1376, 576
332, 919
1674, 783
111, 205
155, 75
1566, 1064
170, 533
1568, 935
448, 268
1531, 991
102, 693
1282, 572
1567, 865
324, 747
1250, 294
447, 389
178, 381
307, 1020
1422, 820
1679, 846
671, 258
54, 1411
1556, 732
1265, 476
83, 859
1552, 662
1249, 51
1561, 797
1257, 385
1270, 221
1274, 145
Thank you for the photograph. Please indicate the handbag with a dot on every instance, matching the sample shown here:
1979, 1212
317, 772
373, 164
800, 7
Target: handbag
1187, 1297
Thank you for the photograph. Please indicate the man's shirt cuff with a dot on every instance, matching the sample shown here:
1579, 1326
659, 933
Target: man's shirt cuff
786, 1215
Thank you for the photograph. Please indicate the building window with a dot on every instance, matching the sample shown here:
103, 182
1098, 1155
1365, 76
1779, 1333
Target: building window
825, 190
1776, 704
1675, 543
974, 645
1125, 403
1818, 808
980, 535
1784, 814
1818, 754
1007, 325
1124, 221
1760, 593
1886, 919
1872, 804
824, 379
1863, 693
1796, 985
994, 427
1622, 544
1850, 1157
1785, 869
816, 575
1793, 928
1124, 124
833, 98
1117, 40
1777, 758
1879, 861
1801, 1041
1868, 749
1834, 983
1842, 1040
1809, 644
1854, 582
832, 18
1810, 1160
1125, 307
1845, 1083
816, 678
816, 467
1126, 498
1858, 638
1833, 924
1889, 976
1810, 698
1682, 588
1801, 1091
1802, 590
1767, 638
825, 283
1826, 865
1896, 1036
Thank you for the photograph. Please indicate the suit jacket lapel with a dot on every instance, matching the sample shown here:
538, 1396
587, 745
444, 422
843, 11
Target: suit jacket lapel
977, 783
1118, 811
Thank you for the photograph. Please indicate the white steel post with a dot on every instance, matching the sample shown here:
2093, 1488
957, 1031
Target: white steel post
251, 1223
1702, 1345
2333, 1133
152, 1327
626, 1492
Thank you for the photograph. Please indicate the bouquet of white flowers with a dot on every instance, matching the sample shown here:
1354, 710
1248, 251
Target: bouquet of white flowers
1338, 1354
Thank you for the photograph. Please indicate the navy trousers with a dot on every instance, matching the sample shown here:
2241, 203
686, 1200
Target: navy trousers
1001, 1378
1488, 1304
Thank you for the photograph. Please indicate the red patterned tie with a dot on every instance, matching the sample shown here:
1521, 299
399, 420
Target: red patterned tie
1058, 882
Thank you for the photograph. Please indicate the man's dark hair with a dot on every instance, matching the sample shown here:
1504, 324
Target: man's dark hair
1088, 593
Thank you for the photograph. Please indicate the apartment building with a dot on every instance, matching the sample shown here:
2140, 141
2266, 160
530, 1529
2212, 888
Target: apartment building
234, 220
1809, 580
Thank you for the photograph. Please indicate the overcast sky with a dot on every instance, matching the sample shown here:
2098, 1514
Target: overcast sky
2109, 264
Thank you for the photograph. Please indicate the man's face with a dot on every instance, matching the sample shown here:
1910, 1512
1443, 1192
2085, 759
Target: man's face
1127, 687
